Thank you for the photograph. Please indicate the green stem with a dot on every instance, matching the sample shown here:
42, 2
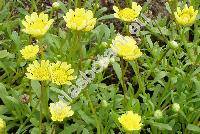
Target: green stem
81, 52
128, 3
76, 48
43, 103
140, 81
34, 5
124, 68
94, 112
77, 3
69, 4
188, 49
126, 29
41, 108
117, 3
45, 99
53, 130
95, 6
51, 13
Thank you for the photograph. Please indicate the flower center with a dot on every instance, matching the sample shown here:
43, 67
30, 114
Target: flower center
38, 24
185, 17
127, 13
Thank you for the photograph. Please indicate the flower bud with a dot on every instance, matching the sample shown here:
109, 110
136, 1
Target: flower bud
175, 107
59, 56
104, 103
56, 5
2, 126
191, 109
173, 44
103, 62
158, 114
104, 44
25, 98
112, 59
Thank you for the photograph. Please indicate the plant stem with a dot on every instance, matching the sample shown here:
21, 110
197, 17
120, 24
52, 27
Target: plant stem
117, 3
41, 107
81, 56
184, 40
43, 103
34, 5
126, 29
53, 130
124, 68
95, 6
94, 112
140, 81
128, 2
45, 99
69, 4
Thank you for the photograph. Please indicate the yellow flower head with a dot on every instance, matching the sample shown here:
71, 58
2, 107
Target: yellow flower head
61, 73
80, 19
60, 110
130, 121
38, 71
128, 14
29, 52
187, 16
36, 25
2, 126
126, 47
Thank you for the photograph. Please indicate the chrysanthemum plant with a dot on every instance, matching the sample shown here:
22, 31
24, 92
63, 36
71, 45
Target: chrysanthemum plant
81, 67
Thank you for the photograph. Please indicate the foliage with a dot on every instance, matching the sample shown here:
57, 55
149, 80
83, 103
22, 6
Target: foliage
165, 74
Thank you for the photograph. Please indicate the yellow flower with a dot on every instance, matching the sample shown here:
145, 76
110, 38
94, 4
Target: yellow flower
126, 47
36, 25
187, 16
30, 52
38, 71
80, 19
128, 14
130, 121
60, 110
2, 126
61, 73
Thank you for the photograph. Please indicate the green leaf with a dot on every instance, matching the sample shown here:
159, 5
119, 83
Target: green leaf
35, 122
168, 7
3, 91
105, 17
162, 126
85, 131
102, 33
3, 53
36, 87
15, 37
148, 39
118, 70
86, 118
160, 75
59, 91
194, 128
101, 11
35, 130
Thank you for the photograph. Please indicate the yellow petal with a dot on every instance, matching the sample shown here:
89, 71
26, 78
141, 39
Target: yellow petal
116, 9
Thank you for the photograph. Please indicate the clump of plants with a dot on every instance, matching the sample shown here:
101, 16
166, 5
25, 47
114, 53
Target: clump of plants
82, 67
